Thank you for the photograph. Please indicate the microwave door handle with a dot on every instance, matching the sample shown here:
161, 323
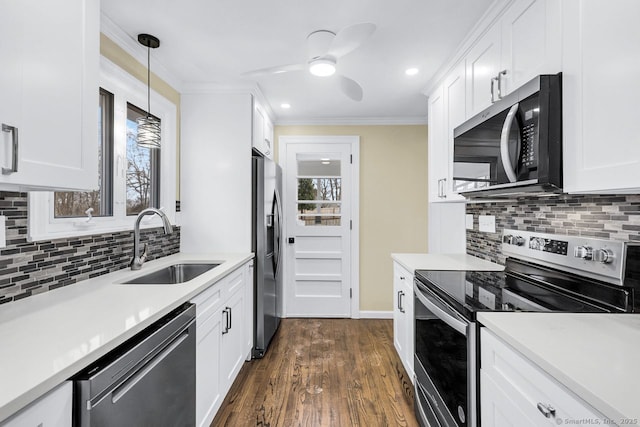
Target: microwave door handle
504, 143
456, 324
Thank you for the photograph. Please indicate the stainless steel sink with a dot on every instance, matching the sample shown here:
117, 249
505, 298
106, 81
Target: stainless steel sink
173, 274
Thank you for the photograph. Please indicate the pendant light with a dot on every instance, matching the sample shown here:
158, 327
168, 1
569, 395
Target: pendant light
148, 126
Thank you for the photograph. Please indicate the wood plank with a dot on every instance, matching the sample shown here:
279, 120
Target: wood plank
323, 372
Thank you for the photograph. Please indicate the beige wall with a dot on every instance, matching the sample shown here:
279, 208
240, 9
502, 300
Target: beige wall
120, 57
393, 200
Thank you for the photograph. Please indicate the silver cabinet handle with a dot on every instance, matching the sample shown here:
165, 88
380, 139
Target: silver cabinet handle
400, 307
504, 143
500, 74
547, 410
493, 81
14, 147
230, 318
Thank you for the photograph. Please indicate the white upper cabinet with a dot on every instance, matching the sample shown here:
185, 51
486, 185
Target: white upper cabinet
438, 151
483, 66
523, 43
262, 139
49, 94
455, 115
531, 34
601, 65
446, 110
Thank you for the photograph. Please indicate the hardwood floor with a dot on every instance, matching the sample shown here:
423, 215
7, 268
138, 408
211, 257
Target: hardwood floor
323, 372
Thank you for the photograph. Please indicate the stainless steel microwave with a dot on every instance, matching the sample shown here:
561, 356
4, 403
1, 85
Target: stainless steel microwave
514, 146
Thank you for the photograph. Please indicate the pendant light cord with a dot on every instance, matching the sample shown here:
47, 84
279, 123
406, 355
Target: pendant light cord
148, 81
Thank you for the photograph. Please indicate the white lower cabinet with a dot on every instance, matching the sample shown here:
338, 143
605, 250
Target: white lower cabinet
403, 339
222, 345
516, 392
54, 409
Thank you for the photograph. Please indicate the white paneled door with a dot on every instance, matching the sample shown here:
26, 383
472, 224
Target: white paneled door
318, 212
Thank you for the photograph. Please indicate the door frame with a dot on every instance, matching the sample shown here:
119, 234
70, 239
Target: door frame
354, 142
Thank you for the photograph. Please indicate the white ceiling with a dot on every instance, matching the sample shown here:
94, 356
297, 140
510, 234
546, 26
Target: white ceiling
214, 41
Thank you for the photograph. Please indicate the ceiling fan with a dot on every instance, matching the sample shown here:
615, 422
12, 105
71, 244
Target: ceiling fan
324, 48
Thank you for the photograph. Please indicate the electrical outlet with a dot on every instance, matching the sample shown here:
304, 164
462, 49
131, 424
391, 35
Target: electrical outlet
468, 288
487, 223
469, 221
486, 298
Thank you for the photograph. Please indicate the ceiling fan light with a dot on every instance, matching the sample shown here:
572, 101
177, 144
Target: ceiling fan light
322, 67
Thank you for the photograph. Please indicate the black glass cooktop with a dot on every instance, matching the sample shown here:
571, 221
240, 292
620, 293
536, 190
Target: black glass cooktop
523, 286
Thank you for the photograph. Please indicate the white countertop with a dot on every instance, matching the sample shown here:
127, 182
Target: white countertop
458, 262
597, 356
47, 338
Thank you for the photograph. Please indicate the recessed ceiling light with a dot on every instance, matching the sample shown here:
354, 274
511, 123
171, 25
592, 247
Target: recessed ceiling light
285, 105
411, 71
326, 162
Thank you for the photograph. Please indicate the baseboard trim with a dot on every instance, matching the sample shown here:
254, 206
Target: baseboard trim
376, 314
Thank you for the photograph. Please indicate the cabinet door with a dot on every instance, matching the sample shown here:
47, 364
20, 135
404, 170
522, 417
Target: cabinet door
496, 407
455, 114
409, 326
232, 348
601, 65
52, 410
437, 146
483, 65
531, 35
399, 326
268, 137
208, 375
55, 53
258, 128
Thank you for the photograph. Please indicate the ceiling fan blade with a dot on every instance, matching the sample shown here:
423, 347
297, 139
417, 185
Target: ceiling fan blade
351, 88
349, 38
274, 70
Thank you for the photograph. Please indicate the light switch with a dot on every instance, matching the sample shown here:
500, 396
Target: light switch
3, 232
487, 223
469, 221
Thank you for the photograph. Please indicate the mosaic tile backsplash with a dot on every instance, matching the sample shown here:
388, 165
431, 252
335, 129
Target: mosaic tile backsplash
29, 268
606, 217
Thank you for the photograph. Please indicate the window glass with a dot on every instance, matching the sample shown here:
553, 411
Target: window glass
319, 190
77, 203
143, 183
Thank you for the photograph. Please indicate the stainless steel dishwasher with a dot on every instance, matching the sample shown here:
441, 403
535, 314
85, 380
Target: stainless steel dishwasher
148, 381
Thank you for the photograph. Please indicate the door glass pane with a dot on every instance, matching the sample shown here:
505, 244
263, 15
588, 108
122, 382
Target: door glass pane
319, 189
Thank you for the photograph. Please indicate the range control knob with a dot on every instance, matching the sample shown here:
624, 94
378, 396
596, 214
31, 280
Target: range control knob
518, 241
507, 238
584, 252
604, 256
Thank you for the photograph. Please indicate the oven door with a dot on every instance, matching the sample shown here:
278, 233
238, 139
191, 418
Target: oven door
444, 363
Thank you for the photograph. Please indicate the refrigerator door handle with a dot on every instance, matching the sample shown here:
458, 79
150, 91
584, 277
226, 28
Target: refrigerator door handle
277, 232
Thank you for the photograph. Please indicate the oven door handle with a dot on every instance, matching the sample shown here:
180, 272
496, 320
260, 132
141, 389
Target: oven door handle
447, 318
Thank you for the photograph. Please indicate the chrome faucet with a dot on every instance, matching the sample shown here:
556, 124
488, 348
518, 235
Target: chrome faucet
138, 260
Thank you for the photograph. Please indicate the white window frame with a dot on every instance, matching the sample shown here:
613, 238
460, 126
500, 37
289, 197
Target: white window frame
125, 88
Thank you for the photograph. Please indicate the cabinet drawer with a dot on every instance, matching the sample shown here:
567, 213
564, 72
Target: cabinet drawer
210, 299
527, 385
401, 273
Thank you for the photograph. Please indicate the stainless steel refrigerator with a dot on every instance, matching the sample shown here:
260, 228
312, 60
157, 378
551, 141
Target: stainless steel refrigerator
267, 244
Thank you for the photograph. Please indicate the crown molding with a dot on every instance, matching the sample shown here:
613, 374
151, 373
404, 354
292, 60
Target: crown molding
130, 45
348, 121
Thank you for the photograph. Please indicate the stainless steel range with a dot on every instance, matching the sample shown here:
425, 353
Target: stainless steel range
543, 272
